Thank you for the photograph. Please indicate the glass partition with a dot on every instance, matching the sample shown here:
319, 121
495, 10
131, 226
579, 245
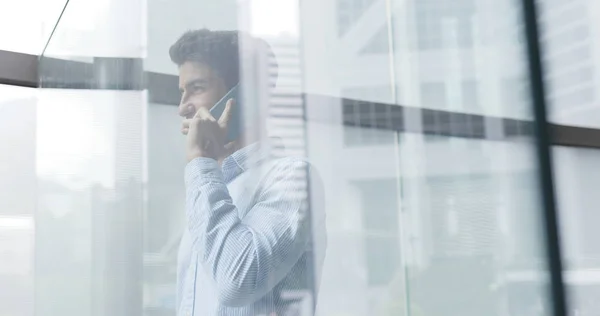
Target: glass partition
17, 199
470, 203
381, 160
570, 41
91, 162
25, 30
577, 182
569, 37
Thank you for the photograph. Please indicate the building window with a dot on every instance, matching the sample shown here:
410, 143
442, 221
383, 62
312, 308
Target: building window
430, 17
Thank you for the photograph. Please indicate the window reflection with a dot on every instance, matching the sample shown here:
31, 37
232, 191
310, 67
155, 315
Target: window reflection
416, 115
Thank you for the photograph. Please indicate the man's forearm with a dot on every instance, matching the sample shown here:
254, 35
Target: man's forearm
245, 258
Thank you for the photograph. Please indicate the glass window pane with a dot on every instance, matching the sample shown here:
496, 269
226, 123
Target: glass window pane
164, 216
17, 199
469, 199
576, 186
91, 162
378, 156
25, 30
90, 170
569, 37
471, 215
107, 28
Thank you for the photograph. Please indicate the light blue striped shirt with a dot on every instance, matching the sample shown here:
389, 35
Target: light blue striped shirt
249, 235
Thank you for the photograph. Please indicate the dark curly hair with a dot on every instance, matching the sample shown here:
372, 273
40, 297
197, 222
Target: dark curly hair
218, 49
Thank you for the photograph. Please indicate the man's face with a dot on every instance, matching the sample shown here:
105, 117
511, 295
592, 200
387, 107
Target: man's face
200, 86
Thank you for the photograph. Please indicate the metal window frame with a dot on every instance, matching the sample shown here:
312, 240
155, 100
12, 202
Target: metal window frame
18, 69
543, 132
162, 89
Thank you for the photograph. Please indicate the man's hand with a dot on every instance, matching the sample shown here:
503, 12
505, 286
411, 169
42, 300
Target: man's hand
207, 137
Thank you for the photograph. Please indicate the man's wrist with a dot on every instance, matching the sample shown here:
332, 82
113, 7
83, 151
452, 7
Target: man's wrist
199, 154
192, 156
202, 169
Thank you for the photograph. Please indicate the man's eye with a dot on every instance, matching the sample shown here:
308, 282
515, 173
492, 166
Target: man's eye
197, 88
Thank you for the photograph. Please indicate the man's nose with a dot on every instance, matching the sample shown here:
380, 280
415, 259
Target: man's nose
185, 109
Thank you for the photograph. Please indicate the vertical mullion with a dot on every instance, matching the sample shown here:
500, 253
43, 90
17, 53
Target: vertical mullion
542, 132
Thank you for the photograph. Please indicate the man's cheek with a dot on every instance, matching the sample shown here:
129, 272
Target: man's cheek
201, 102
195, 105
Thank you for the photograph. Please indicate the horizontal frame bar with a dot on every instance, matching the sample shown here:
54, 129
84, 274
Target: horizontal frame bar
25, 70
18, 69
162, 89
574, 136
453, 124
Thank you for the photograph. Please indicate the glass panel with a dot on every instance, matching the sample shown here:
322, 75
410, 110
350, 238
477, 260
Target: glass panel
91, 162
460, 56
569, 37
17, 199
470, 213
108, 28
164, 215
570, 42
25, 30
363, 250
471, 218
382, 157
577, 183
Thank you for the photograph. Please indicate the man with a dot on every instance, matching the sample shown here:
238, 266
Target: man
249, 230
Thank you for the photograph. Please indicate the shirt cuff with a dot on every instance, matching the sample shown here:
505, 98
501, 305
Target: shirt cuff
202, 169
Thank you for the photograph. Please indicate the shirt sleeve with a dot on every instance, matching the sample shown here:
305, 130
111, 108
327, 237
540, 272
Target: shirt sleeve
247, 257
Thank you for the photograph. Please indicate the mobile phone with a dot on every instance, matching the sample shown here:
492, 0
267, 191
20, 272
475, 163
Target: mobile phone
233, 127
